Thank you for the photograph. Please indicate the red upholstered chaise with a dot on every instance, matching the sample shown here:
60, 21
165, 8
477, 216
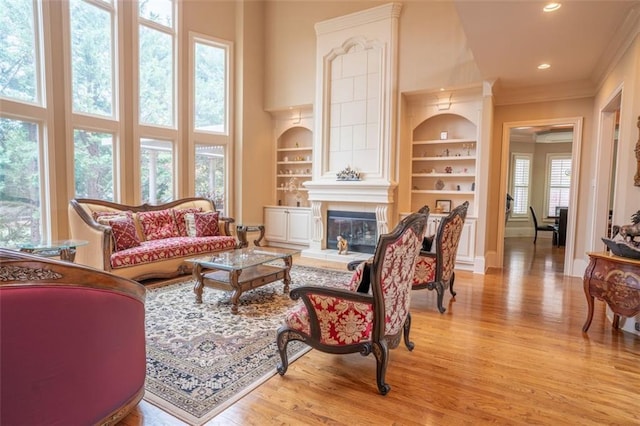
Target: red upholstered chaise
72, 343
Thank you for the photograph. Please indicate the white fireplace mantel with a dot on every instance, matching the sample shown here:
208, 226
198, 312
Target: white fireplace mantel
364, 192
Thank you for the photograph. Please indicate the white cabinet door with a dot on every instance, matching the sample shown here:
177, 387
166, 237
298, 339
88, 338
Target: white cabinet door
467, 244
299, 226
275, 224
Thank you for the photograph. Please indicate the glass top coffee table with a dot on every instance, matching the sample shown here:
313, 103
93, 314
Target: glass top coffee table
241, 270
66, 249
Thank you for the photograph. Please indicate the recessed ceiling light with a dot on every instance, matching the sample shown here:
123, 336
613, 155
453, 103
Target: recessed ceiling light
551, 7
442, 89
544, 66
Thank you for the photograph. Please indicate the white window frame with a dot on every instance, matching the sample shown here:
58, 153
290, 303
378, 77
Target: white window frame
38, 113
514, 157
90, 122
207, 137
146, 131
547, 185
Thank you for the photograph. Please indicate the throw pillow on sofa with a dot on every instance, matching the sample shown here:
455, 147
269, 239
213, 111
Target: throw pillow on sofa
206, 224
158, 225
123, 229
124, 233
179, 216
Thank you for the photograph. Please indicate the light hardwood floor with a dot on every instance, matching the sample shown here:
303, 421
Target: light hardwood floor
509, 350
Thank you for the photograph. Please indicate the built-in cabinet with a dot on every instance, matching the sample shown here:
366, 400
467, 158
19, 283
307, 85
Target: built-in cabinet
294, 155
443, 163
287, 226
465, 256
448, 163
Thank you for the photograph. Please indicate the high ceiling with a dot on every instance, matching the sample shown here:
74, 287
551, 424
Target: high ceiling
509, 39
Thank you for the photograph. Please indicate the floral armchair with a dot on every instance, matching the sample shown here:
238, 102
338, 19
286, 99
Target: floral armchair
434, 270
343, 320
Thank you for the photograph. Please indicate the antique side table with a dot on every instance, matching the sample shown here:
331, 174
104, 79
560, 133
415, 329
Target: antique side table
616, 281
241, 231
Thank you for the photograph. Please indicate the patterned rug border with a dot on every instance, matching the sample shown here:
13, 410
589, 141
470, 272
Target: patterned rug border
296, 349
195, 421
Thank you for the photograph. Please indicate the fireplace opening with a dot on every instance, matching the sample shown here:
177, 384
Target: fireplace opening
358, 228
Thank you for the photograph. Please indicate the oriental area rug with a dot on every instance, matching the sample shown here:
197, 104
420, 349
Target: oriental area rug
201, 358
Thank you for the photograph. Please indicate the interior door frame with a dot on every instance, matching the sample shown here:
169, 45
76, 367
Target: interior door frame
573, 193
604, 159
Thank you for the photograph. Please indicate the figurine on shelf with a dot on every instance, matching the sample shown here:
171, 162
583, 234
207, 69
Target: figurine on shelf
343, 245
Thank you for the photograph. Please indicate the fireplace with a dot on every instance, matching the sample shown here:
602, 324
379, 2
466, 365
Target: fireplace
358, 228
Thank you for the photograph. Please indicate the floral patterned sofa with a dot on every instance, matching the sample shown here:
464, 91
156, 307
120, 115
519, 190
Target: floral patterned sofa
147, 241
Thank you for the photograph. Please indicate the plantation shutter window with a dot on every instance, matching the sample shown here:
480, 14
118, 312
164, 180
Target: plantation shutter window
521, 182
559, 179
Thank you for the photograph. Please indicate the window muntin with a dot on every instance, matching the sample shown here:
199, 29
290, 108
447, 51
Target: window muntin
158, 11
210, 97
156, 170
20, 63
93, 161
21, 214
211, 174
558, 182
521, 182
92, 58
156, 66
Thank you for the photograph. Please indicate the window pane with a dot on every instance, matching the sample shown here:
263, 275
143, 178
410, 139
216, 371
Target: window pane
92, 58
18, 57
521, 181
20, 180
156, 171
156, 77
210, 88
158, 11
210, 173
559, 184
93, 162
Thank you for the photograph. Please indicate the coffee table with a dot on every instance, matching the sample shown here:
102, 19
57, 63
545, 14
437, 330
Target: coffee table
241, 270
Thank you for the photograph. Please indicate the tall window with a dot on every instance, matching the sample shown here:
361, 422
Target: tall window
23, 120
210, 123
20, 64
210, 173
92, 57
93, 162
521, 181
156, 171
558, 182
20, 183
210, 112
156, 62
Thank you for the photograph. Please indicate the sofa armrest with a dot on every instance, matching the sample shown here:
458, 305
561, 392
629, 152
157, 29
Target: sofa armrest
97, 253
226, 225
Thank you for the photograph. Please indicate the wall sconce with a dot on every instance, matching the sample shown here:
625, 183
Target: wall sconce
444, 103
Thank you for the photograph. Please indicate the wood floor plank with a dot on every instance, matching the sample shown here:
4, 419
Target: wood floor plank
508, 350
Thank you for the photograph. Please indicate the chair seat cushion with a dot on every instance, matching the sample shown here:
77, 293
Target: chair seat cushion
170, 248
342, 322
425, 271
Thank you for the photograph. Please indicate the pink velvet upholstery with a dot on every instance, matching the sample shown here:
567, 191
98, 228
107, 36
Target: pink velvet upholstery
73, 343
341, 320
435, 271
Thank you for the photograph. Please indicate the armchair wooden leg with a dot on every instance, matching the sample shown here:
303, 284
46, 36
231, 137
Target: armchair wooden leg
407, 328
453, 278
283, 340
440, 291
381, 352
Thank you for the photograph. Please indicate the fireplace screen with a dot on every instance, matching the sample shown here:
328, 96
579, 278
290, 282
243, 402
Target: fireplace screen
358, 228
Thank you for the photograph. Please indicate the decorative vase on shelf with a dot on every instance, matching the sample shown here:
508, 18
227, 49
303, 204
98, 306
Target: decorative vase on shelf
439, 184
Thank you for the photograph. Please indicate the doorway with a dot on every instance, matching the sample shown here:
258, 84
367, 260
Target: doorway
547, 127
